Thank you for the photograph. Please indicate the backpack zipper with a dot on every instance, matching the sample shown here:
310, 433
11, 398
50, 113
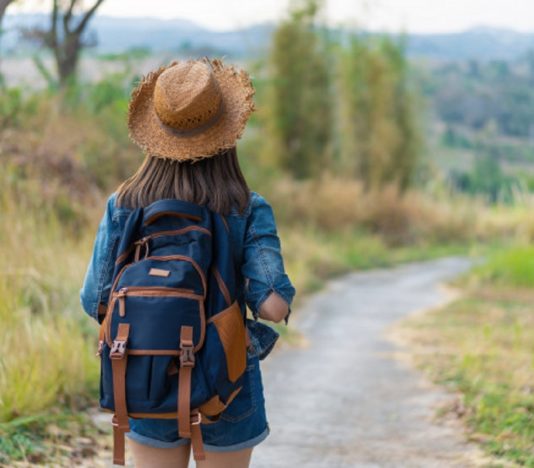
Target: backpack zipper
155, 235
154, 291
147, 291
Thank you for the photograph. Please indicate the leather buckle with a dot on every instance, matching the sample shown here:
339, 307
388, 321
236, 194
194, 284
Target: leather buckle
118, 349
187, 356
115, 423
198, 420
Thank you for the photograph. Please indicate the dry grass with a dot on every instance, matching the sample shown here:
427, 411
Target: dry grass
335, 205
483, 346
413, 218
45, 356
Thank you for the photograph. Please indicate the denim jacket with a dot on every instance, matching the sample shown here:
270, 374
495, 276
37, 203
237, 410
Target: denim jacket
256, 249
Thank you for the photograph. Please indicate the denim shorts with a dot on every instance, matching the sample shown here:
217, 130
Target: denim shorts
242, 425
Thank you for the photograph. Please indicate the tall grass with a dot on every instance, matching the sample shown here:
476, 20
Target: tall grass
46, 348
333, 205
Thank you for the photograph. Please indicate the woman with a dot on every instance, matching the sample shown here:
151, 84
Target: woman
187, 118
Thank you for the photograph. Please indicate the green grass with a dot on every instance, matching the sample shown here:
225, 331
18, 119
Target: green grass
509, 267
56, 437
483, 346
311, 256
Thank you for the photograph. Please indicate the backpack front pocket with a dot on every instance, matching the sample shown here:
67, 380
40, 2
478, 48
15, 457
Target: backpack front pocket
158, 314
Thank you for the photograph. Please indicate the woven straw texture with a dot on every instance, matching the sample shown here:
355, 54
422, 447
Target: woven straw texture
190, 110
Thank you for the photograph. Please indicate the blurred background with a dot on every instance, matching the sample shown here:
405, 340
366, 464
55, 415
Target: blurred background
385, 132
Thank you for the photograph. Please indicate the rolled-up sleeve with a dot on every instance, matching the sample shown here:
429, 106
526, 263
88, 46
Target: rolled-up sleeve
97, 283
263, 266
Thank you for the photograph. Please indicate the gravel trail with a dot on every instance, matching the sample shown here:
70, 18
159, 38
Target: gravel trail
343, 400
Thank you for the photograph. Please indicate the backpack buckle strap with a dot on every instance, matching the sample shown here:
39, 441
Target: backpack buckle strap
119, 358
187, 356
118, 349
101, 337
196, 436
141, 244
187, 362
118, 444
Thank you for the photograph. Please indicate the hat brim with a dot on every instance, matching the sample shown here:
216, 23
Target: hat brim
148, 132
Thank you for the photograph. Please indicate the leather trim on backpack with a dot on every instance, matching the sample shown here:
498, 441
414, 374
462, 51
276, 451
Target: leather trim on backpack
185, 258
153, 415
215, 406
231, 329
173, 232
222, 286
153, 352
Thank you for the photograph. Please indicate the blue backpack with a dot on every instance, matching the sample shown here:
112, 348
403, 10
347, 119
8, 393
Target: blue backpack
173, 341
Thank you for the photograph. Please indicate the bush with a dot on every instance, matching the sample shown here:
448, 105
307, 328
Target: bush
510, 267
334, 204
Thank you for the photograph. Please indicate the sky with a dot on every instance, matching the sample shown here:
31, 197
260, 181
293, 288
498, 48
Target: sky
414, 16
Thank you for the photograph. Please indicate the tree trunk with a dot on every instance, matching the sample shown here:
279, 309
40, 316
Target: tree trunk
3, 7
68, 45
67, 59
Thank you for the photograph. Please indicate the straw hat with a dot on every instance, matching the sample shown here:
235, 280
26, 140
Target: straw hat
190, 109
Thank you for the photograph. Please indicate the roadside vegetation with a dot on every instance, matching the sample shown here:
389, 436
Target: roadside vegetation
336, 146
482, 347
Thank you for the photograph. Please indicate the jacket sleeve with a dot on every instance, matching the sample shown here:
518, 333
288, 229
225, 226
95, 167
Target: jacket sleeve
97, 283
263, 265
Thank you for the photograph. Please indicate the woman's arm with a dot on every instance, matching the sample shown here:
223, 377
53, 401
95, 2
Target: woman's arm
269, 291
97, 283
274, 308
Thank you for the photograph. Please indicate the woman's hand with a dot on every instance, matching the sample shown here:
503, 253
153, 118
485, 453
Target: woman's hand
274, 308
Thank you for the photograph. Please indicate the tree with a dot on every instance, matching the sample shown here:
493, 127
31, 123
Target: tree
300, 99
3, 7
66, 35
379, 135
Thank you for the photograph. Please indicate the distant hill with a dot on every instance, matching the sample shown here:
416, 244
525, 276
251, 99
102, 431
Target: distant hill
481, 43
117, 35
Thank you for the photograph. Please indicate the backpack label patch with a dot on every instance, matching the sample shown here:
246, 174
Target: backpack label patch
159, 272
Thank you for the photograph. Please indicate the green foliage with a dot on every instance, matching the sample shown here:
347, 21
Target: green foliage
454, 139
300, 99
15, 107
133, 53
101, 109
362, 124
476, 93
39, 439
380, 138
510, 267
487, 179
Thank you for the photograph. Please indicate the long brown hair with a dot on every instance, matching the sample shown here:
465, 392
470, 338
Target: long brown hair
216, 182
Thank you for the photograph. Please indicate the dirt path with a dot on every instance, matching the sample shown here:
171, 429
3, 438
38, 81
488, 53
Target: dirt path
343, 400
